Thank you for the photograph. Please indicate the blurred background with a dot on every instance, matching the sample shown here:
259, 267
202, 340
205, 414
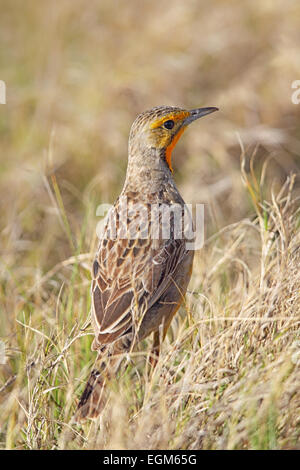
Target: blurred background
77, 73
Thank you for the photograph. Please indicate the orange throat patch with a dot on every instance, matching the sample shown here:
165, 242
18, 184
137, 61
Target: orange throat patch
170, 147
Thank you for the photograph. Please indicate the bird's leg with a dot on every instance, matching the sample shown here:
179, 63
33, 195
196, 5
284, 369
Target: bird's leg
158, 338
154, 355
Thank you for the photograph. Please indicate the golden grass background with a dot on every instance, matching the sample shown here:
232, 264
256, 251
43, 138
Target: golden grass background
77, 74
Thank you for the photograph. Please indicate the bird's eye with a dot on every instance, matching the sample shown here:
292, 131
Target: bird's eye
169, 124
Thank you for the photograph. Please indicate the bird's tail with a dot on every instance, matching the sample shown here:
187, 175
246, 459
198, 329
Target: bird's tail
95, 394
93, 398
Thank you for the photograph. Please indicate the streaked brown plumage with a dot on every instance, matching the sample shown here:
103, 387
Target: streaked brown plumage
139, 280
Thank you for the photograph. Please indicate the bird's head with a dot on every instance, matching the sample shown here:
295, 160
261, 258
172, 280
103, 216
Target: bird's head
160, 128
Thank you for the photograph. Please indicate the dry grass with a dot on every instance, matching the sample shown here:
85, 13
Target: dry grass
228, 376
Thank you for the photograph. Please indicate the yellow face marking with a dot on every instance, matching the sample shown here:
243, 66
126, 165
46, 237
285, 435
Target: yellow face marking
170, 147
179, 116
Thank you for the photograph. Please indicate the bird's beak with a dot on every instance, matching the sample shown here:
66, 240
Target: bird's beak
198, 113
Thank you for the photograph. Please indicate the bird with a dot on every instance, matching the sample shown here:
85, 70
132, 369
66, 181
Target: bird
141, 271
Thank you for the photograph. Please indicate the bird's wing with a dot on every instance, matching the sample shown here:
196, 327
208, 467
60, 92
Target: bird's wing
129, 276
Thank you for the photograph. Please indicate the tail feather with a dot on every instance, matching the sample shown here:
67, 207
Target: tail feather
93, 398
